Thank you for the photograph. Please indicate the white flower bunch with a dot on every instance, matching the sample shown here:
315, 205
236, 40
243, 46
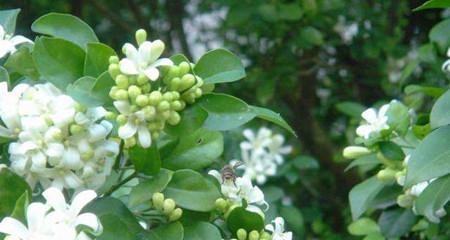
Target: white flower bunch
242, 189
8, 43
347, 31
375, 122
56, 142
277, 229
261, 153
55, 219
446, 64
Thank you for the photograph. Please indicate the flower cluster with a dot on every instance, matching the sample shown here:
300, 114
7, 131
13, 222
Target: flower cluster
150, 90
376, 121
8, 43
261, 153
55, 141
55, 219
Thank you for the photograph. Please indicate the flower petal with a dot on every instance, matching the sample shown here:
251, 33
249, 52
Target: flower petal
128, 67
128, 130
144, 136
152, 73
11, 226
81, 200
55, 199
88, 220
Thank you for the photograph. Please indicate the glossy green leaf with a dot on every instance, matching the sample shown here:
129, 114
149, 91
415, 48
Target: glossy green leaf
20, 207
311, 36
195, 151
102, 86
396, 222
201, 231
438, 35
219, 66
145, 160
4, 75
351, 109
65, 26
363, 226
440, 113
433, 198
398, 117
362, 195
8, 20
58, 61
368, 161
81, 91
433, 4
12, 187
144, 190
305, 162
271, 116
239, 217
172, 231
293, 218
192, 191
431, 158
391, 151
22, 62
97, 59
430, 91
225, 112
192, 118
290, 12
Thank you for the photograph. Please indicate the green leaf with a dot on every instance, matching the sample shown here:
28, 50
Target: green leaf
272, 193
239, 217
430, 91
290, 12
144, 190
433, 198
362, 195
225, 112
311, 36
102, 86
433, 4
440, 113
438, 35
81, 91
398, 117
58, 61
97, 59
369, 161
192, 118
293, 218
192, 191
363, 226
201, 231
20, 207
219, 66
195, 151
172, 231
65, 26
118, 222
8, 20
305, 162
352, 109
4, 76
391, 151
397, 222
271, 116
12, 187
145, 160
431, 158
22, 62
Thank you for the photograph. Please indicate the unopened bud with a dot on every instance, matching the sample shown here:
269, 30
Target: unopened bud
184, 68
207, 88
405, 200
221, 204
168, 206
114, 70
254, 235
173, 72
168, 96
265, 236
158, 200
241, 234
155, 97
149, 112
163, 106
121, 94
141, 36
174, 118
113, 59
175, 84
157, 47
134, 91
187, 81
176, 105
141, 100
352, 152
198, 92
142, 79
122, 81
110, 115
75, 129
87, 155
386, 175
146, 88
165, 115
176, 214
121, 119
130, 142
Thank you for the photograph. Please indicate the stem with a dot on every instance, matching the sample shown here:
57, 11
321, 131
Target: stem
117, 186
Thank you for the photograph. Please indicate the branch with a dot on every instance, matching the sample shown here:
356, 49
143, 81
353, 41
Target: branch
176, 12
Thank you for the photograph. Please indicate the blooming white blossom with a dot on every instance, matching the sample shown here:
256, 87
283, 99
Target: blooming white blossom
144, 60
446, 65
136, 124
56, 144
8, 43
261, 153
277, 229
54, 220
242, 189
375, 122
345, 30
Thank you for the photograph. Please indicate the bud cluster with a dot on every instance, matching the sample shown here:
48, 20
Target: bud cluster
166, 206
155, 96
242, 234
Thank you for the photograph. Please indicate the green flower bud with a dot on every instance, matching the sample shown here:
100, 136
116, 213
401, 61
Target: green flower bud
163, 106
352, 152
199, 81
265, 236
121, 94
110, 115
174, 118
157, 46
155, 97
175, 84
184, 68
175, 215
113, 59
173, 72
75, 129
87, 155
241, 234
112, 92
168, 96
155, 135
134, 91
121, 119
80, 108
142, 100
207, 88
159, 125
142, 79
158, 200
189, 97
122, 81
175, 95
149, 112
165, 115
254, 235
114, 70
146, 88
187, 81
141, 36
221, 204
198, 92
134, 108
130, 142
168, 206
386, 175
405, 200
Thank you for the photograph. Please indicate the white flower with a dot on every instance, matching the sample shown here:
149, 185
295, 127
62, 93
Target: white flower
136, 123
346, 31
446, 65
242, 189
417, 189
144, 60
277, 230
8, 43
375, 122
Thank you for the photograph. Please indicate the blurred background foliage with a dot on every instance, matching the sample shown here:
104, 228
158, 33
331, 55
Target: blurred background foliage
317, 62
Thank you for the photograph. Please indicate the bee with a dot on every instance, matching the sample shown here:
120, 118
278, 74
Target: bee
228, 172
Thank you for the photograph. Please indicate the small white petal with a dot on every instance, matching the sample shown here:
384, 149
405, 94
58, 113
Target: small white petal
81, 200
128, 67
